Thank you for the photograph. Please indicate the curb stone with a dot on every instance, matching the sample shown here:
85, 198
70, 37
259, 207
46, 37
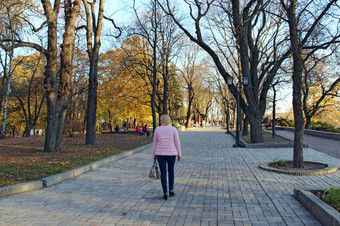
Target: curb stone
326, 214
20, 188
329, 169
58, 178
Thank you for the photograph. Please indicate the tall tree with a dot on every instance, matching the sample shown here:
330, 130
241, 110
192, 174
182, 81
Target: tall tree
58, 82
94, 25
305, 23
58, 70
249, 27
11, 21
162, 36
28, 88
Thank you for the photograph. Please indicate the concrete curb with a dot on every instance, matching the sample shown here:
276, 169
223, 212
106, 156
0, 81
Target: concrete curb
20, 188
58, 178
329, 169
325, 214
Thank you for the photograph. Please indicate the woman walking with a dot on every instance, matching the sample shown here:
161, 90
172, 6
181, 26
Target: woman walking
166, 146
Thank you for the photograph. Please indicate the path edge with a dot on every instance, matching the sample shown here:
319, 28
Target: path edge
324, 213
58, 178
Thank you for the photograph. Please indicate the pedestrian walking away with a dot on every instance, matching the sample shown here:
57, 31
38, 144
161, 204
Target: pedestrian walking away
166, 146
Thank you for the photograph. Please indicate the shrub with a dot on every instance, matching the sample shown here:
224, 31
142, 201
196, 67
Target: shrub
332, 197
176, 124
280, 162
285, 122
324, 126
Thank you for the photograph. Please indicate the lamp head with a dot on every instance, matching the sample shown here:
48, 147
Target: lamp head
245, 80
230, 80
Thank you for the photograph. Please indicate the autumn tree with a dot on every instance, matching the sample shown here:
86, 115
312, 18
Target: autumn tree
59, 68
28, 88
321, 85
94, 19
123, 95
12, 18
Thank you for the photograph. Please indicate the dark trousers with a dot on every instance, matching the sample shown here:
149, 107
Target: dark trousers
163, 162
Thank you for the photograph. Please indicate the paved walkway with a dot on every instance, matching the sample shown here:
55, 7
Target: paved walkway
215, 185
330, 147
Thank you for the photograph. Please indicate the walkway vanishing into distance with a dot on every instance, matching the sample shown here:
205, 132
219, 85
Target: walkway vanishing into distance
215, 184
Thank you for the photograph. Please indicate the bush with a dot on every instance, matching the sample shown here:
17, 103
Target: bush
176, 124
285, 122
332, 197
324, 126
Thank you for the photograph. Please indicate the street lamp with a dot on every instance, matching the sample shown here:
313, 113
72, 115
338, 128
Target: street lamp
227, 103
238, 109
228, 112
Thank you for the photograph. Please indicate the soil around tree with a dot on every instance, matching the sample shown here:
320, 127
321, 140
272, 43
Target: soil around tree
310, 168
307, 166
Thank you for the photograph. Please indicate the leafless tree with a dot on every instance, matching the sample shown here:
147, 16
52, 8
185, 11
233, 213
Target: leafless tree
310, 30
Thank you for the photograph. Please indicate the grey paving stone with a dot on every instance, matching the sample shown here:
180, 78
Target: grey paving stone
214, 184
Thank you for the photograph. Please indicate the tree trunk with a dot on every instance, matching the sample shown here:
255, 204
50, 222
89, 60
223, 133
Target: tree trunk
274, 114
92, 103
245, 130
308, 123
256, 135
189, 111
297, 86
58, 83
93, 53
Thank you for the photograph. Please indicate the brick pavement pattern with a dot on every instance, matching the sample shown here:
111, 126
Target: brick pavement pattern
215, 184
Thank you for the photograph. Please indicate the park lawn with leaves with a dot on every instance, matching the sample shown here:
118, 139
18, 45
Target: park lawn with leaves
23, 159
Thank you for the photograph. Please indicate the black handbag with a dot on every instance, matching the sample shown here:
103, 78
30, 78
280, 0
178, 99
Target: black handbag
154, 171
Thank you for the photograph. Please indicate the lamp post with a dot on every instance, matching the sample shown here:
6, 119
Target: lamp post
238, 109
228, 113
226, 116
227, 103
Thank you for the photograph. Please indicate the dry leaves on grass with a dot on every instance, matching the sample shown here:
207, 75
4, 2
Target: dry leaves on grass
23, 159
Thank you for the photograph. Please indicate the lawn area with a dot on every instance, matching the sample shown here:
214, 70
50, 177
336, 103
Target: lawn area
22, 159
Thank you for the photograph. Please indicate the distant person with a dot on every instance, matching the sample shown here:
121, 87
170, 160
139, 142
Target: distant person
137, 128
117, 129
145, 129
166, 146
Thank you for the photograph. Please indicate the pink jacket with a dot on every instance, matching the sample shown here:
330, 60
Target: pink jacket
166, 141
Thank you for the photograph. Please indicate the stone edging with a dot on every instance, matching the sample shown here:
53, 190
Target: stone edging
55, 179
329, 169
325, 214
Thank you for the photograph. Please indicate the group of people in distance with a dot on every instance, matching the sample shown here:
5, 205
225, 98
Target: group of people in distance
143, 130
